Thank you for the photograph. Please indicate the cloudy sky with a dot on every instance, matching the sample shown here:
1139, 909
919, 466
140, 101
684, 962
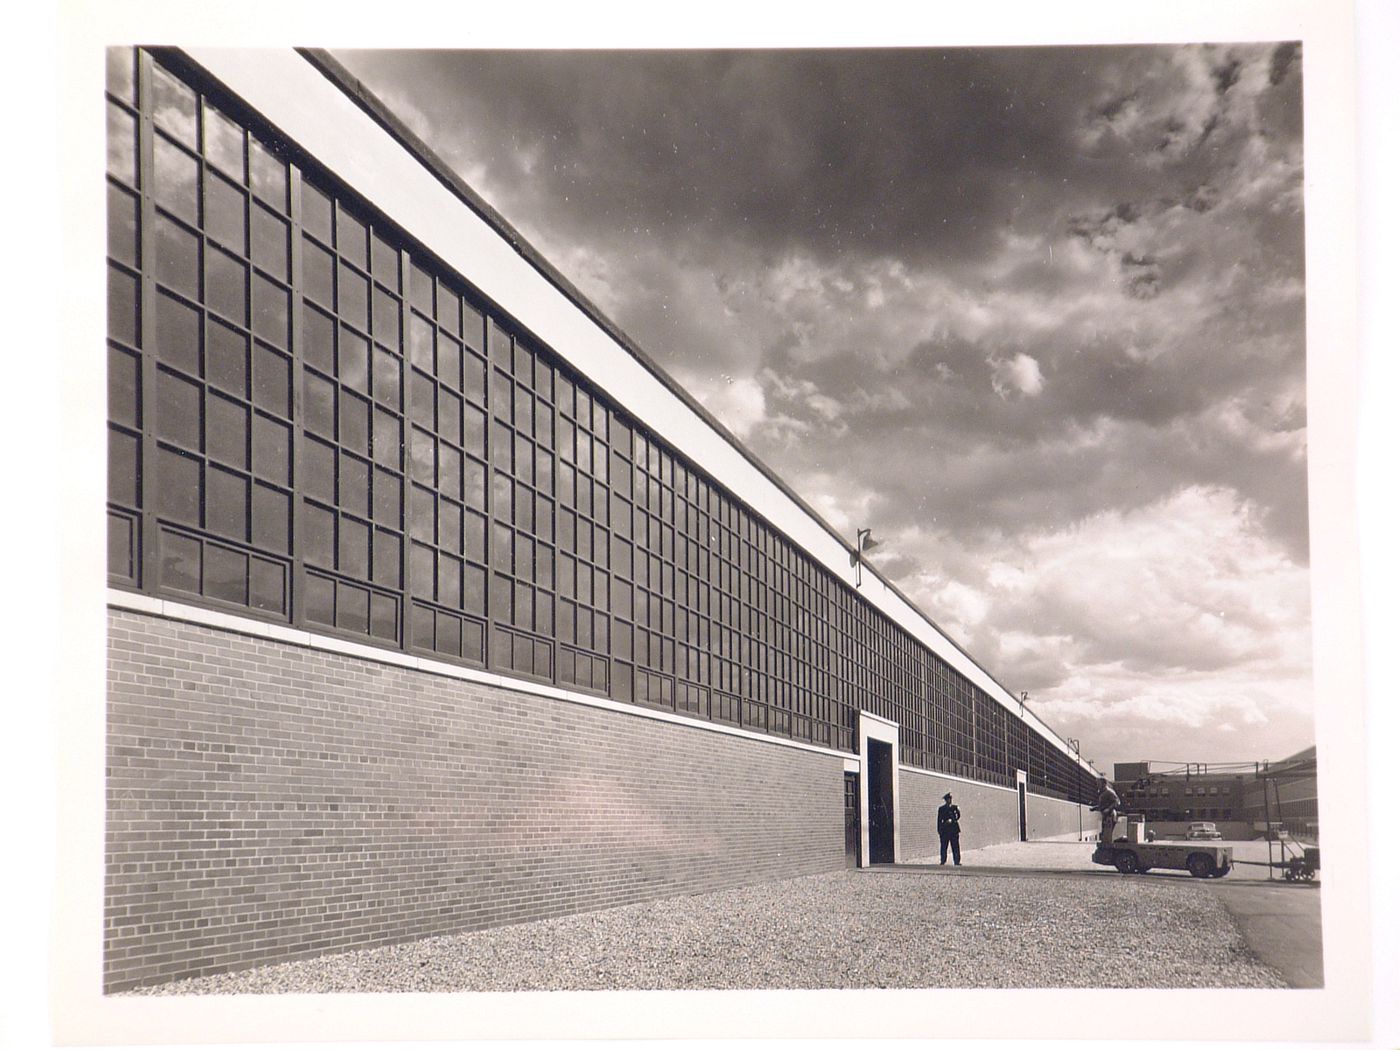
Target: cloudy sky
1034, 315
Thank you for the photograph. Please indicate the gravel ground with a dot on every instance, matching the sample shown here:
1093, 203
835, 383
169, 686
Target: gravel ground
870, 929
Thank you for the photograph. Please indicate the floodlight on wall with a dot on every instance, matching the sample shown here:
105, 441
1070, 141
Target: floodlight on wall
864, 542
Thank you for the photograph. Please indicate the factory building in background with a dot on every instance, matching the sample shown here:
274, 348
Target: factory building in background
433, 604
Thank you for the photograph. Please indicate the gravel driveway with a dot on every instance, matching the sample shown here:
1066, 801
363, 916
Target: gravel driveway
880, 928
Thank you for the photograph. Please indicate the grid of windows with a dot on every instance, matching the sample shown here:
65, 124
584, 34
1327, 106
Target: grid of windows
311, 418
352, 419
447, 490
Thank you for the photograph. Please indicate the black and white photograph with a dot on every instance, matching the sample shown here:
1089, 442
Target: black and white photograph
579, 531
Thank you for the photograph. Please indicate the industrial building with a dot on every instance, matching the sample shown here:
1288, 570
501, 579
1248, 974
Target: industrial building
433, 604
1242, 798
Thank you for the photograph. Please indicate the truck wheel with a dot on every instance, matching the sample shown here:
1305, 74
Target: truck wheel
1126, 862
1200, 865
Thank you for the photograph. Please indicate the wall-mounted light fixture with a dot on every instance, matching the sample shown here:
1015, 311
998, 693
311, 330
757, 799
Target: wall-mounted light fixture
864, 542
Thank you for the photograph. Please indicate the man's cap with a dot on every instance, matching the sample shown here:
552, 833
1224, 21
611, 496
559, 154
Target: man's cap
949, 795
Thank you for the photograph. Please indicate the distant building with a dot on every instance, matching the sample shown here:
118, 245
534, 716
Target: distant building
1283, 793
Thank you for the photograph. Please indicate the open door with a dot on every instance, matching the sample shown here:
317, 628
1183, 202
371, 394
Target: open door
879, 761
879, 790
1021, 799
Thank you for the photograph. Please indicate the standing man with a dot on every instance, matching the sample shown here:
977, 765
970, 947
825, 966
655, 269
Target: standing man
1107, 807
949, 830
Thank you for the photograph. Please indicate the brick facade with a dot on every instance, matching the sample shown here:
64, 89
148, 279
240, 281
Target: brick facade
268, 801
989, 815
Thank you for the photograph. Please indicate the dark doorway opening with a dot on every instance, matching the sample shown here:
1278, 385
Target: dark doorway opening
852, 820
1021, 797
880, 762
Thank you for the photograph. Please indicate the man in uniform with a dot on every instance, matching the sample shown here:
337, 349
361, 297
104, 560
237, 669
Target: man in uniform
949, 830
1107, 807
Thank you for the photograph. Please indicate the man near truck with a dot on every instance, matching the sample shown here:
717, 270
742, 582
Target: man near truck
1107, 808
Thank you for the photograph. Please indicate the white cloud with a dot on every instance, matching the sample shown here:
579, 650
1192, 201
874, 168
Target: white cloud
738, 402
1020, 373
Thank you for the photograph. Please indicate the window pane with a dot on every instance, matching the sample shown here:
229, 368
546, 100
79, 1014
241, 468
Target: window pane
225, 574
123, 309
271, 306
354, 485
386, 319
267, 588
223, 142
318, 346
123, 457
121, 226
353, 304
350, 239
319, 405
225, 210
474, 379
318, 275
271, 450
121, 72
383, 617
270, 242
123, 384
474, 535
386, 379
450, 526
226, 289
422, 456
354, 423
388, 439
420, 288
269, 175
179, 486
121, 144
449, 581
180, 558
388, 497
226, 431
384, 261
450, 472
318, 526
272, 381
449, 416
354, 548
320, 599
177, 334
318, 471
422, 570
353, 361
177, 410
176, 182
176, 257
421, 514
316, 212
226, 360
387, 553
420, 343
227, 512
174, 106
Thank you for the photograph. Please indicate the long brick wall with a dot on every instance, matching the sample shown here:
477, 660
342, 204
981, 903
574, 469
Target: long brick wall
268, 801
989, 815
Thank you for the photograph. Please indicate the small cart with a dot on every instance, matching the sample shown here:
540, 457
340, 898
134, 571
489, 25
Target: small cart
1303, 868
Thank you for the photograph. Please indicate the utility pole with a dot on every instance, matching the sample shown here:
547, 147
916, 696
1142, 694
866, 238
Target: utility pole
1079, 806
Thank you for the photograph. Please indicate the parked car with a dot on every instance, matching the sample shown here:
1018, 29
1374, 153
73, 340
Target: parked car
1202, 829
